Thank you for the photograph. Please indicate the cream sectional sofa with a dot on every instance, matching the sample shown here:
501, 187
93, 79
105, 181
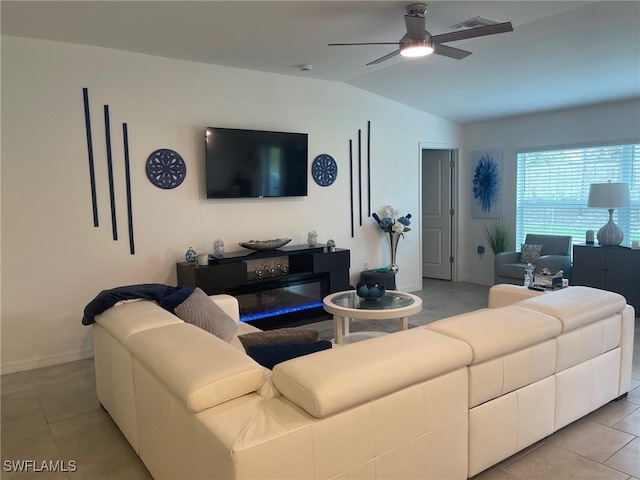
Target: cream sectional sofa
443, 401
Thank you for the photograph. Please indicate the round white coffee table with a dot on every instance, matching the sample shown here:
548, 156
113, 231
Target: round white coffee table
346, 305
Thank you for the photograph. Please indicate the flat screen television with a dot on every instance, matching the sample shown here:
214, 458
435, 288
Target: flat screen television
255, 164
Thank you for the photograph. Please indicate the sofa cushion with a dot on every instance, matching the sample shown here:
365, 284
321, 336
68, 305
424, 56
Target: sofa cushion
335, 380
529, 253
200, 369
271, 355
122, 321
201, 311
494, 332
551, 244
280, 335
577, 306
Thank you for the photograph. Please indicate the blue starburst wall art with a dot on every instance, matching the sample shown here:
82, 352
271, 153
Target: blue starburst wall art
487, 184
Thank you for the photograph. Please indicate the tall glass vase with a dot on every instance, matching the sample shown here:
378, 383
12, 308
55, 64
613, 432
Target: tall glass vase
393, 245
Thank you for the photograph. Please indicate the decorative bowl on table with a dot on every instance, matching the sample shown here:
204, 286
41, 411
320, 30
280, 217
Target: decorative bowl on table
262, 245
370, 291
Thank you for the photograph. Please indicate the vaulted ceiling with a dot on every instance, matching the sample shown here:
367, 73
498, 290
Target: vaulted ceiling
561, 54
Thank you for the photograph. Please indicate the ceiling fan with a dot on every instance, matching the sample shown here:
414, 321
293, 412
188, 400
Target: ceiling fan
417, 42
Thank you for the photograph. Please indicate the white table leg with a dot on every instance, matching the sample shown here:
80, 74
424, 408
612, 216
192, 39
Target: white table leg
340, 329
404, 323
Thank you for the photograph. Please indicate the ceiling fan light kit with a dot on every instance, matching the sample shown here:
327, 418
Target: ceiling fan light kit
417, 48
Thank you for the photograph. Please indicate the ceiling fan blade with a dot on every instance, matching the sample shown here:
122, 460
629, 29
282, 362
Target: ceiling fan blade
415, 27
450, 52
386, 57
474, 32
364, 43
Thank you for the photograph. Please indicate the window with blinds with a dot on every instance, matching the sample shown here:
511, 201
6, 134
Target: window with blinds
553, 189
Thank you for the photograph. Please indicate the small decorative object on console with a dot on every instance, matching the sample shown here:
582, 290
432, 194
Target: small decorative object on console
312, 238
191, 256
273, 269
261, 245
589, 237
370, 291
331, 245
218, 248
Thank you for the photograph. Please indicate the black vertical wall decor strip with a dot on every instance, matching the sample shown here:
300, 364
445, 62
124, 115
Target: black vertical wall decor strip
351, 184
369, 168
127, 173
360, 173
92, 172
107, 130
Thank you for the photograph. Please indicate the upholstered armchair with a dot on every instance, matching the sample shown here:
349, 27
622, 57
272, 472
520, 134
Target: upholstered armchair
555, 255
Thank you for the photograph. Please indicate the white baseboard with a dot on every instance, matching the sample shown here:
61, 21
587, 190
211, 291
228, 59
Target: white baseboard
30, 364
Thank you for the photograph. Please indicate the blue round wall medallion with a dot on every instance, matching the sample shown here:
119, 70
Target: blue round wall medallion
166, 169
324, 170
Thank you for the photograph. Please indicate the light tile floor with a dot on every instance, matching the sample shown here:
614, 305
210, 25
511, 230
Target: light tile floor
51, 414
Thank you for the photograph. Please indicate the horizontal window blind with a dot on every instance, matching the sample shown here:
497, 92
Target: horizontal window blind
553, 190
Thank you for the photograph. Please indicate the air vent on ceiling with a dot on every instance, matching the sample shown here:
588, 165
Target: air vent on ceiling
475, 22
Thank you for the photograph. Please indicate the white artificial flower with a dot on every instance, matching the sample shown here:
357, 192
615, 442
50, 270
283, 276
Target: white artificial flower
397, 227
391, 212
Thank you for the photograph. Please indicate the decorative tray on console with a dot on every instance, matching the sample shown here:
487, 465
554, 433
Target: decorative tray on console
265, 245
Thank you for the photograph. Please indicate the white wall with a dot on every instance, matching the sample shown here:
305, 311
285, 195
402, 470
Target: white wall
618, 121
54, 261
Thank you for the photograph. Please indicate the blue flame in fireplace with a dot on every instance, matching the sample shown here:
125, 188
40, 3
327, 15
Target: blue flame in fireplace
248, 317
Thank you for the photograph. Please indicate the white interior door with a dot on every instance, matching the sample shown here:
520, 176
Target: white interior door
437, 214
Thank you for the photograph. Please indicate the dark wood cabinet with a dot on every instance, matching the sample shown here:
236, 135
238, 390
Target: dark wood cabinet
273, 300
616, 269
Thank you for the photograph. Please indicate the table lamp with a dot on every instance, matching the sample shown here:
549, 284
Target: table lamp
609, 195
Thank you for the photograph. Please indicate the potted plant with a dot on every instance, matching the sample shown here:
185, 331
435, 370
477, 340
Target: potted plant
497, 234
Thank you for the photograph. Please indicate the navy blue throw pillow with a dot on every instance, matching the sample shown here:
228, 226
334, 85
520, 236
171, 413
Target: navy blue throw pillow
171, 301
269, 355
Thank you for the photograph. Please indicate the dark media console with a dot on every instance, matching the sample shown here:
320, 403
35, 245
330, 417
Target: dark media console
294, 298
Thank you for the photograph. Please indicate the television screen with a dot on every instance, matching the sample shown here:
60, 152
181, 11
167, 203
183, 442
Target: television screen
255, 164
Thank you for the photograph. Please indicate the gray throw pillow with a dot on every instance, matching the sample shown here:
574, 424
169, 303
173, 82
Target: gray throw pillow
199, 310
530, 253
280, 335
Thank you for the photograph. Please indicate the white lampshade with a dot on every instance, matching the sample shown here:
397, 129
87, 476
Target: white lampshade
609, 195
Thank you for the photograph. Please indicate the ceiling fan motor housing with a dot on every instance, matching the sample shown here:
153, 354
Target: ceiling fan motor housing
417, 9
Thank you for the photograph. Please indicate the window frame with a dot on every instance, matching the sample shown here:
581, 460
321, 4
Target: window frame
582, 218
